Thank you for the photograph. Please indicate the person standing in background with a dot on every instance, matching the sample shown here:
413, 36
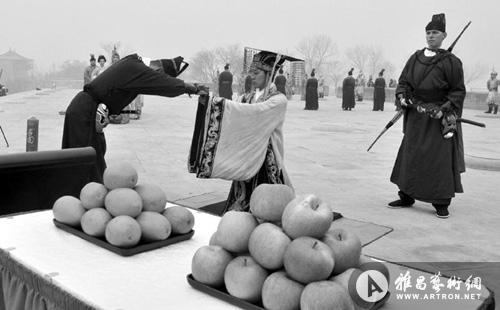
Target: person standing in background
280, 82
379, 92
99, 69
87, 74
492, 99
312, 92
348, 85
226, 83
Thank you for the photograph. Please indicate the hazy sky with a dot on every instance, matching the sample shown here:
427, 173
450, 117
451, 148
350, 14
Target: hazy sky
53, 31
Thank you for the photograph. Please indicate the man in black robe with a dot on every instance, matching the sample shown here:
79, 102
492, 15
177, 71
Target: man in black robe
226, 83
110, 92
280, 82
348, 92
312, 92
379, 92
429, 163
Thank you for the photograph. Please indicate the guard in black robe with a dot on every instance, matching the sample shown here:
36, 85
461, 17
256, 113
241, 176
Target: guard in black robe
113, 90
226, 83
312, 92
379, 92
428, 165
348, 86
280, 82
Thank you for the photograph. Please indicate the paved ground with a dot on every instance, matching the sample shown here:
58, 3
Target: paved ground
325, 154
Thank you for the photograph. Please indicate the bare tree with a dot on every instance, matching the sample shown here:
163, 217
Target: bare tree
472, 72
375, 60
204, 66
358, 56
369, 59
109, 46
233, 55
335, 72
318, 52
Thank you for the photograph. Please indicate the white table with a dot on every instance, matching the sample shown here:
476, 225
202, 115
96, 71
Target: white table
99, 279
103, 279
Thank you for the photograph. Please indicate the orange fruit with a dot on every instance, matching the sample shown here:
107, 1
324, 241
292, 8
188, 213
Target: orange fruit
68, 210
123, 231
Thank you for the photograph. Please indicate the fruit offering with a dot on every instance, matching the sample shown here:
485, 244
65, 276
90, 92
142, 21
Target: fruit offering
123, 212
283, 254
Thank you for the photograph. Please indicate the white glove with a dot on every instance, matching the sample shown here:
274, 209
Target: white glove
218, 99
101, 118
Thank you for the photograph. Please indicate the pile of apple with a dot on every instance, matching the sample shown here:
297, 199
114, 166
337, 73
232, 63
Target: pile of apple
284, 254
122, 211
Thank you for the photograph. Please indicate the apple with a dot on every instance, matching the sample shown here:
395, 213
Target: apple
346, 249
307, 260
267, 245
244, 278
306, 216
213, 240
180, 218
269, 200
279, 292
209, 263
325, 295
234, 231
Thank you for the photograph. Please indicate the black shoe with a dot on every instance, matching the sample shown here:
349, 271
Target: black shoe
442, 211
400, 203
404, 201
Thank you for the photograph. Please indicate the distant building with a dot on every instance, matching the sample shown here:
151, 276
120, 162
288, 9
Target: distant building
15, 66
297, 72
17, 71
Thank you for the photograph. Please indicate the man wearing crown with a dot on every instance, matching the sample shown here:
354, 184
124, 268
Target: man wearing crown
243, 141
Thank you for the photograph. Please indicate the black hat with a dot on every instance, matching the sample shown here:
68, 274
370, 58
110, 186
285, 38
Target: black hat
173, 67
92, 57
266, 61
101, 57
381, 72
226, 67
115, 53
438, 22
350, 71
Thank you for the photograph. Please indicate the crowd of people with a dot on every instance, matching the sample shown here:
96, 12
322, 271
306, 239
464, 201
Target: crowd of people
249, 151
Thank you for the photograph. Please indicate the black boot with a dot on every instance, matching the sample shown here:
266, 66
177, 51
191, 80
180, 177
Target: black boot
441, 210
496, 109
404, 201
490, 108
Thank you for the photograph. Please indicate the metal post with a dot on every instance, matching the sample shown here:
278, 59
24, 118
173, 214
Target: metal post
32, 135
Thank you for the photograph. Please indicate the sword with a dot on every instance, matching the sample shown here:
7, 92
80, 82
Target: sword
389, 125
400, 112
420, 109
4, 137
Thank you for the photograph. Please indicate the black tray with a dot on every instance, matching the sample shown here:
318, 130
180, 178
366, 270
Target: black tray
141, 247
224, 295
